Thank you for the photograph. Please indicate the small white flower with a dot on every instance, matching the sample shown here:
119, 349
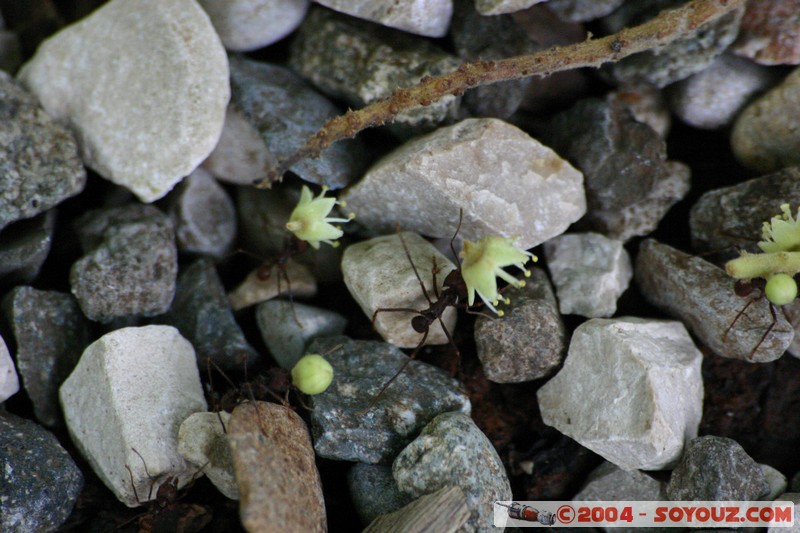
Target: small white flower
310, 221
782, 233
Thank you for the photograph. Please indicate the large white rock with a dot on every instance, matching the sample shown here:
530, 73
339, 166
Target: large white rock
144, 84
9, 381
245, 25
430, 18
630, 390
506, 182
131, 390
380, 276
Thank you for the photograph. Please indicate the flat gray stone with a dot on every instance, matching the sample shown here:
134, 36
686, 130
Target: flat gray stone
422, 17
131, 262
132, 389
498, 7
49, 333
583, 10
39, 161
374, 491
240, 156
341, 428
643, 378
444, 511
590, 273
203, 441
716, 468
143, 84
608, 482
379, 275
286, 111
701, 295
504, 343
24, 248
451, 450
41, 482
506, 182
245, 25
775, 479
9, 381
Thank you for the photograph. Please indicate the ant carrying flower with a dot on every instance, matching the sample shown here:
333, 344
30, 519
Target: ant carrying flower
773, 271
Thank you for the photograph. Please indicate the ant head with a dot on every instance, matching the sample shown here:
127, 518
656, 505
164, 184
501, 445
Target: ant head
420, 323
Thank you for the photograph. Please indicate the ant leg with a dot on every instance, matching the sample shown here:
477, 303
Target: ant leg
291, 296
133, 485
414, 268
151, 478
453, 239
435, 270
738, 315
773, 312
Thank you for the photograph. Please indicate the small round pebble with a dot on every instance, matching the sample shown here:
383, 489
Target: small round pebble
245, 25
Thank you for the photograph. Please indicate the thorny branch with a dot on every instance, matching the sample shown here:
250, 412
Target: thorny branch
654, 34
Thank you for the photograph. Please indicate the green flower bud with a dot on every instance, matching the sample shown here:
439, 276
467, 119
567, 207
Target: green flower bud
781, 289
312, 374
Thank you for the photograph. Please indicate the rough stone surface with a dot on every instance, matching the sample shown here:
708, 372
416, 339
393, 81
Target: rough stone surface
245, 25
451, 450
379, 275
775, 480
770, 33
583, 10
202, 441
131, 262
646, 103
765, 135
24, 247
39, 161
294, 279
444, 511
608, 482
286, 111
713, 97
498, 7
629, 182
143, 84
288, 327
630, 390
240, 157
374, 491
50, 333
590, 272
132, 389
678, 60
40, 481
422, 17
529, 341
716, 468
344, 431
506, 182
701, 295
203, 216
274, 465
360, 63
202, 313
732, 217
9, 381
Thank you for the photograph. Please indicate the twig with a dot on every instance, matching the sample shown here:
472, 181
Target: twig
654, 34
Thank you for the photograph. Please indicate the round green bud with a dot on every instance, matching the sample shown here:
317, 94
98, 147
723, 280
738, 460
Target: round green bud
781, 289
312, 374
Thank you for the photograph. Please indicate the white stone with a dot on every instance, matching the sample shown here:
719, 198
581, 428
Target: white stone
775, 479
430, 18
245, 25
630, 390
294, 279
203, 441
507, 183
498, 7
131, 390
378, 274
143, 83
241, 155
589, 271
9, 381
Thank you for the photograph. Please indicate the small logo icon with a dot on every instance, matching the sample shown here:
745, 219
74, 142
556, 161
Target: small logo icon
528, 513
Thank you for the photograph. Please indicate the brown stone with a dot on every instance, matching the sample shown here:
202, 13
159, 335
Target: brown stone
770, 32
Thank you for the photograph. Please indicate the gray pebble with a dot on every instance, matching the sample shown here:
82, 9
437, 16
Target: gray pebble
286, 111
529, 341
341, 427
775, 479
131, 263
287, 327
360, 63
9, 380
25, 246
678, 60
630, 390
716, 468
422, 17
713, 97
451, 450
203, 215
50, 333
647, 105
590, 272
443, 511
39, 161
374, 491
201, 312
506, 182
609, 482
245, 25
498, 7
583, 10
701, 295
40, 481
